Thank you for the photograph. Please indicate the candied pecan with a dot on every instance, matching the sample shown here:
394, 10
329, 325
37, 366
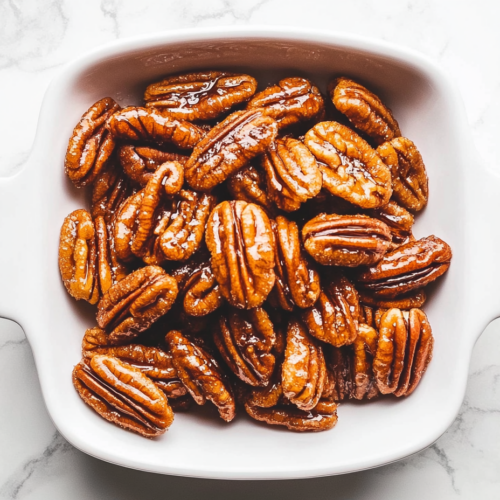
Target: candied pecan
340, 366
239, 237
407, 268
141, 124
346, 240
304, 370
297, 280
109, 270
91, 144
201, 292
139, 162
351, 168
245, 340
364, 349
292, 101
201, 375
364, 109
229, 146
135, 303
122, 395
293, 175
200, 96
409, 177
416, 298
78, 256
334, 316
269, 395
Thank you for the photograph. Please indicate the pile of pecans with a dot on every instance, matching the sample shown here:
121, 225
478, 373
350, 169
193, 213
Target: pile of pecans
250, 249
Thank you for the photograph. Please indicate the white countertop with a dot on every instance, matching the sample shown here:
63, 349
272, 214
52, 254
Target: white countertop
37, 37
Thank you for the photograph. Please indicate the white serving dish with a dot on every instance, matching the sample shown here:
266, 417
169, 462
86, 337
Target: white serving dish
462, 210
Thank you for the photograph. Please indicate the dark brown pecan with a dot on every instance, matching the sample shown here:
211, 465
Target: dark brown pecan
200, 96
293, 175
416, 298
229, 146
269, 395
346, 240
364, 109
78, 256
122, 395
351, 168
407, 268
334, 316
239, 237
201, 375
409, 177
297, 280
245, 340
304, 370
135, 303
201, 292
141, 124
292, 101
139, 162
91, 144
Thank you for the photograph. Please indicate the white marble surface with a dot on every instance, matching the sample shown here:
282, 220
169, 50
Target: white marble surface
38, 36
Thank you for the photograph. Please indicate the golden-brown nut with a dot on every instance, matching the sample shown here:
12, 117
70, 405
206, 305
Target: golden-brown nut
122, 395
416, 298
269, 395
200, 96
351, 168
364, 349
201, 292
239, 237
364, 109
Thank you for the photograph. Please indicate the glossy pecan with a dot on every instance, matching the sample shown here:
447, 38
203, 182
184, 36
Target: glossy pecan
334, 316
78, 256
229, 146
201, 292
346, 240
141, 124
91, 144
239, 237
407, 268
269, 395
416, 298
201, 375
364, 109
122, 395
245, 340
135, 303
351, 168
409, 178
292, 172
292, 101
200, 96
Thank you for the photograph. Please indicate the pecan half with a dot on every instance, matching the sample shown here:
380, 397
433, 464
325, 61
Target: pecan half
364, 109
122, 395
239, 237
229, 146
201, 292
292, 101
269, 395
91, 144
351, 168
346, 240
416, 298
364, 349
200, 96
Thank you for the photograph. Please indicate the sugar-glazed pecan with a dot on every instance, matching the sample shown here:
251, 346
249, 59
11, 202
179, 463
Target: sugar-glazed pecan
269, 395
141, 124
351, 168
122, 395
292, 172
201, 375
346, 240
201, 292
240, 239
304, 370
334, 316
292, 101
139, 162
364, 109
200, 96
245, 340
78, 256
416, 298
91, 144
409, 177
407, 268
229, 146
297, 280
135, 303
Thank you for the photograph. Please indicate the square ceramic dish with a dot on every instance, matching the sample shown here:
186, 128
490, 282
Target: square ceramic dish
463, 199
